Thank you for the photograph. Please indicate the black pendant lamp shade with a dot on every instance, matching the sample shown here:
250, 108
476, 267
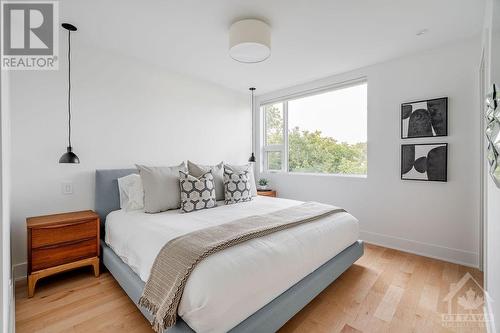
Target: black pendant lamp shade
69, 156
252, 157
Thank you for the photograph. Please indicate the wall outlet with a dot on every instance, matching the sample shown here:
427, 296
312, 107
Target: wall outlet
67, 188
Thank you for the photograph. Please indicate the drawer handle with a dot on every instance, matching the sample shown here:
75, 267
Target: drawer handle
65, 243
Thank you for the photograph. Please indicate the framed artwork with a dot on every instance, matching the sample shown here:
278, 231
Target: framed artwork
423, 119
427, 162
493, 134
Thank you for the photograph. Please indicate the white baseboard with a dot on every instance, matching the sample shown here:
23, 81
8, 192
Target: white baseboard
20, 271
424, 249
488, 309
12, 310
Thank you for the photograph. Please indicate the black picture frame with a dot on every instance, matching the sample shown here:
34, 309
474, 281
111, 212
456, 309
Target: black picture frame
440, 172
438, 123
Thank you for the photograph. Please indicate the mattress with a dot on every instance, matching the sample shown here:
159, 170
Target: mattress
229, 286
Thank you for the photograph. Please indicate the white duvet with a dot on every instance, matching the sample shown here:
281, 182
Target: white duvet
229, 286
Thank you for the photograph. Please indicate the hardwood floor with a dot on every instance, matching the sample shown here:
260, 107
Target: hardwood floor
384, 291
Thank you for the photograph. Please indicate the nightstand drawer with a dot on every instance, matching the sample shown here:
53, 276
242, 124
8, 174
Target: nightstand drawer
50, 235
54, 255
269, 193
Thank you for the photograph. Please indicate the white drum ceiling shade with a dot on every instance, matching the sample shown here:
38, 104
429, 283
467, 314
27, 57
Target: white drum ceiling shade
250, 41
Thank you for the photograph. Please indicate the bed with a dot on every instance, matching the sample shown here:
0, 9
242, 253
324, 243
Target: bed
255, 286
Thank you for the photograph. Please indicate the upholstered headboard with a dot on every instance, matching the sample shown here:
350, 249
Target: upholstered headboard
107, 197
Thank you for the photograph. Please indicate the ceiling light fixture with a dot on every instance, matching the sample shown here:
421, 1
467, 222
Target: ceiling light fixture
250, 41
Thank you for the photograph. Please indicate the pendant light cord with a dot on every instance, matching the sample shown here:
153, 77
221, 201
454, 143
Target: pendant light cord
253, 141
69, 88
252, 123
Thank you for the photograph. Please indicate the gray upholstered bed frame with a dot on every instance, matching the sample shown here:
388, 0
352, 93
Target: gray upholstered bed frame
269, 318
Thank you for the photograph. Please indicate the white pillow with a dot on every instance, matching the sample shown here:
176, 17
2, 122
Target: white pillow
161, 187
131, 192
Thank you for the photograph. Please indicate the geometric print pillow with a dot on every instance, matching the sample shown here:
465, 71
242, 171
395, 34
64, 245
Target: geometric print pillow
236, 186
197, 193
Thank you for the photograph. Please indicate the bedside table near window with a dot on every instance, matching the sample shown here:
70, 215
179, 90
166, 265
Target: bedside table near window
60, 242
267, 193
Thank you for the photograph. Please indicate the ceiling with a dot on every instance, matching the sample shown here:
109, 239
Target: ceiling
310, 39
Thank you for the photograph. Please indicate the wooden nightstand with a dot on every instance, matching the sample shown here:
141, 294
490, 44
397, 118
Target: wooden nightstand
61, 242
267, 193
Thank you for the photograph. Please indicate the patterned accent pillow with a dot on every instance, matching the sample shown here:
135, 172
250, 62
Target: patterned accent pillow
236, 186
217, 171
251, 177
197, 193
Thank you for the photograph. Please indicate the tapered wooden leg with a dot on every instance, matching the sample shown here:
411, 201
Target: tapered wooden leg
95, 265
32, 279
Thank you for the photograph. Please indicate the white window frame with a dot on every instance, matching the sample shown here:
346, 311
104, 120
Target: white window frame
283, 148
276, 147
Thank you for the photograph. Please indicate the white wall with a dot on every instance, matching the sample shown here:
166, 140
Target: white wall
435, 219
124, 112
7, 291
491, 48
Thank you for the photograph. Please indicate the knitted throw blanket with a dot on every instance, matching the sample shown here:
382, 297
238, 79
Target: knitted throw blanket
178, 258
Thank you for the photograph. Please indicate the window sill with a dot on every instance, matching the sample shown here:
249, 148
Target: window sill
341, 175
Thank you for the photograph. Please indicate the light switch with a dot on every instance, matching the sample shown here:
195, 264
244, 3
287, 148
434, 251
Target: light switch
67, 188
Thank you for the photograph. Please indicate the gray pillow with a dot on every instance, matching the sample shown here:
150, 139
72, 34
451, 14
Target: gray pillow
251, 178
197, 170
236, 186
161, 187
197, 192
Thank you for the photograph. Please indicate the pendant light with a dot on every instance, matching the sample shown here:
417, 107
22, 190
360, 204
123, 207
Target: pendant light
252, 157
69, 156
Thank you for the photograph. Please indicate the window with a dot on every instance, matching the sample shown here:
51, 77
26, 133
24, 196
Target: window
323, 133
